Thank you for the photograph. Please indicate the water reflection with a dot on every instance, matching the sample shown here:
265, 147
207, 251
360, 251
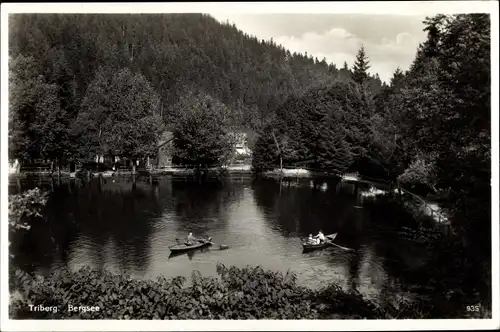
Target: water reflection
110, 216
127, 224
299, 210
201, 207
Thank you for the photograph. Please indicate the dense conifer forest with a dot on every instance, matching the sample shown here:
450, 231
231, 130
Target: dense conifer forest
176, 54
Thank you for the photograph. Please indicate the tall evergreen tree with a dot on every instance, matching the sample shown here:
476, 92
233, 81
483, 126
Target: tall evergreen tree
397, 79
360, 67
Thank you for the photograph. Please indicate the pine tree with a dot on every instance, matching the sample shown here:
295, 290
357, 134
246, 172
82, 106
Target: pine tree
360, 67
397, 79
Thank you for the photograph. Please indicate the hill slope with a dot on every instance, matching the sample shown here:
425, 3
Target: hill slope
177, 53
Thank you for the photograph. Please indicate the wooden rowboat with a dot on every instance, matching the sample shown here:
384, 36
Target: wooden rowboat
329, 239
184, 247
189, 253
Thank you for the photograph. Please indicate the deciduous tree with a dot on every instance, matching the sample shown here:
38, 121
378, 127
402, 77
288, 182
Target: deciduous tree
38, 127
202, 135
119, 116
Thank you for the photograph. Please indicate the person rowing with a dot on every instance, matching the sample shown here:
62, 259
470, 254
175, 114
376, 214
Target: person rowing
191, 239
321, 237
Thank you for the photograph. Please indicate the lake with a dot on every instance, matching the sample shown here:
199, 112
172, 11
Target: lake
126, 226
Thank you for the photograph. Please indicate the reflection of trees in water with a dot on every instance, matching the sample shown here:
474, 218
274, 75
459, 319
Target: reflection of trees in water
196, 205
47, 242
18, 184
403, 259
121, 211
101, 209
389, 213
354, 269
353, 235
299, 209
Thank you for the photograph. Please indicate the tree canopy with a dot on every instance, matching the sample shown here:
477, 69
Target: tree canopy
38, 124
77, 56
202, 134
119, 116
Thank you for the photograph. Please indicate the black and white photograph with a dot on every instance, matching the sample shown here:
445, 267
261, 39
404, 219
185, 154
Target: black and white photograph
250, 166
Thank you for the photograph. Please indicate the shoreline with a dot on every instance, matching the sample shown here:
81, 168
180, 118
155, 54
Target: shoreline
243, 169
431, 208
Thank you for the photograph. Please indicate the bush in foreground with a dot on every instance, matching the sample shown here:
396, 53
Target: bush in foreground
248, 293
238, 293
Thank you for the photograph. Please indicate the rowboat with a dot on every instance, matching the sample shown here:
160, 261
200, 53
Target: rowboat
189, 253
184, 247
329, 239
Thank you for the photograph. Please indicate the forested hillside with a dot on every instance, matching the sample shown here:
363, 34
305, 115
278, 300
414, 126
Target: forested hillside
176, 53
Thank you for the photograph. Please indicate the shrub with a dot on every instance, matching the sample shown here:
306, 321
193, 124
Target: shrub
247, 293
26, 208
237, 293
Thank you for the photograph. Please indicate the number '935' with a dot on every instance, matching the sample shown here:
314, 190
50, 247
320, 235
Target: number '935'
474, 308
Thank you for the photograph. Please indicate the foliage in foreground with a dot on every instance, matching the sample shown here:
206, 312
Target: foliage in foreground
26, 208
248, 293
238, 293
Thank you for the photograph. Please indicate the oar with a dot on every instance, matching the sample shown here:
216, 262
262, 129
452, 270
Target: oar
221, 246
331, 242
348, 249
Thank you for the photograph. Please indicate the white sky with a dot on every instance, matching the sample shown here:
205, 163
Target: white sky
389, 40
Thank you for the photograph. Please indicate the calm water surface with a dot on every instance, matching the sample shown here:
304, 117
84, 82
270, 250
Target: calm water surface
127, 227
